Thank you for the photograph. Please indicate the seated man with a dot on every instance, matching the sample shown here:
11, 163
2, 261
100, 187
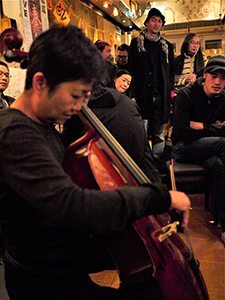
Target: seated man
5, 101
198, 127
122, 118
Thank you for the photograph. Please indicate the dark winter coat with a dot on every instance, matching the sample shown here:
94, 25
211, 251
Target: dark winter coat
140, 66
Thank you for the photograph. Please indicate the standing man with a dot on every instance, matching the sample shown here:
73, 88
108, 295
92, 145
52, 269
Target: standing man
104, 48
111, 69
151, 65
5, 101
122, 56
199, 127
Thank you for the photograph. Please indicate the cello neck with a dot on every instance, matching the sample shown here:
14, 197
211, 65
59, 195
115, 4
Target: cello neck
89, 117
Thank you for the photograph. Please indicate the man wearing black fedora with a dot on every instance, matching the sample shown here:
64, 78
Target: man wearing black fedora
151, 65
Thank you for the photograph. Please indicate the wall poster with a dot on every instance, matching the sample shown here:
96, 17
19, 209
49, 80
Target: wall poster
35, 19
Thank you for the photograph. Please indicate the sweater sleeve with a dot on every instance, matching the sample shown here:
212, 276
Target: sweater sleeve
182, 118
34, 179
214, 130
180, 80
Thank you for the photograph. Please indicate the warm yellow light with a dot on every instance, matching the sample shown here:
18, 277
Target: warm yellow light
115, 12
105, 4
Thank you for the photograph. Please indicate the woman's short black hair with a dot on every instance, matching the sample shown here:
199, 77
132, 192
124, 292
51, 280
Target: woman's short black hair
63, 54
122, 72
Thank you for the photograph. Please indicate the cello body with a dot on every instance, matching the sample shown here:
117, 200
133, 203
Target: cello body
148, 268
173, 269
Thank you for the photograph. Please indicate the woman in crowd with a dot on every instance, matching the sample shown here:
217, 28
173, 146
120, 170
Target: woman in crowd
122, 82
189, 62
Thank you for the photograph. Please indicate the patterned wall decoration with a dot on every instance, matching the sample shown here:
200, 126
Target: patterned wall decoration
194, 9
74, 13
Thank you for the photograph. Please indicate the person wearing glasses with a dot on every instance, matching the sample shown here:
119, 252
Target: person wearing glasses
5, 101
189, 62
122, 56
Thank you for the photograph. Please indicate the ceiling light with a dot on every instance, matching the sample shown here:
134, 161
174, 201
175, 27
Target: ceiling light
115, 12
105, 4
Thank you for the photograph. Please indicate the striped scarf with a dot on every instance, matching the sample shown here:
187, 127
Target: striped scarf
144, 34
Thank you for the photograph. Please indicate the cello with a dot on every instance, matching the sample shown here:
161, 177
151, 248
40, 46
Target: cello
153, 250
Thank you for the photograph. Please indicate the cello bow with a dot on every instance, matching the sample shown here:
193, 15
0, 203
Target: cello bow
194, 264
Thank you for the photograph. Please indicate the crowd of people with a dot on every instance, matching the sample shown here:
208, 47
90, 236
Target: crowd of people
150, 74
50, 226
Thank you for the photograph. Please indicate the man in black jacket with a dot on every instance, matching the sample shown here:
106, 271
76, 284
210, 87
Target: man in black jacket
122, 56
198, 128
110, 106
150, 62
5, 101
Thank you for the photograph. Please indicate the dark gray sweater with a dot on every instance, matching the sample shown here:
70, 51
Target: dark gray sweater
47, 220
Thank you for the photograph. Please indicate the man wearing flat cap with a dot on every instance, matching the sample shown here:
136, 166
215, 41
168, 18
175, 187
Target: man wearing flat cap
199, 127
150, 62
